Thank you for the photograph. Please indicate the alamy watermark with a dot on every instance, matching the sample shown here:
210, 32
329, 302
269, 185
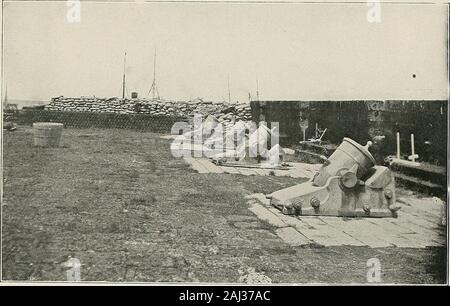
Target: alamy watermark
74, 273
374, 271
73, 14
212, 139
373, 14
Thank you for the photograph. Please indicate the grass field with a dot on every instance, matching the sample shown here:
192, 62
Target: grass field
120, 203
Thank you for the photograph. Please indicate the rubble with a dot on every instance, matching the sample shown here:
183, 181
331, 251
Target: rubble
224, 112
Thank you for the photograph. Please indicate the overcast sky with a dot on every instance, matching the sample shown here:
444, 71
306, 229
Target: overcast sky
297, 51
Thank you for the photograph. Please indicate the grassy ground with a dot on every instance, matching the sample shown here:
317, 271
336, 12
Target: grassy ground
120, 203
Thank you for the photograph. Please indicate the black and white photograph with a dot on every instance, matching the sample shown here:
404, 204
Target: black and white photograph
213, 143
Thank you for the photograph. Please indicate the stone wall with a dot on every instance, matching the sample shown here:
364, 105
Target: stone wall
363, 120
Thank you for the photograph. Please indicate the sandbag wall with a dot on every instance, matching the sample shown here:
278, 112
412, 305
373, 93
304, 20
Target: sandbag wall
222, 111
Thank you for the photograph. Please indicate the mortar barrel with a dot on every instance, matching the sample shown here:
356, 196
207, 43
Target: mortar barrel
345, 157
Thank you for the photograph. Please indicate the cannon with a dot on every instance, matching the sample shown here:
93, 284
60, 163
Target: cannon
348, 184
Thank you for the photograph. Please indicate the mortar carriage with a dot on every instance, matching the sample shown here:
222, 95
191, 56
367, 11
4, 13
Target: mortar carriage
347, 184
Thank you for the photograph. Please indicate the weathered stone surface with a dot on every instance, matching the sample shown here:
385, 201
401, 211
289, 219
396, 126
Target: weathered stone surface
260, 197
292, 237
266, 215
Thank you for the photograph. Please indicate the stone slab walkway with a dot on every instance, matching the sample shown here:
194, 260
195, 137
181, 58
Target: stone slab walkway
297, 170
415, 227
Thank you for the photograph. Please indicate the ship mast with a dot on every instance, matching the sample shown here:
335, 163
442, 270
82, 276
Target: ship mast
229, 93
6, 93
257, 90
124, 68
154, 88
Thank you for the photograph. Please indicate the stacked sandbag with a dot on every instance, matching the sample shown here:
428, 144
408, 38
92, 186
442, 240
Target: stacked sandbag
224, 112
91, 104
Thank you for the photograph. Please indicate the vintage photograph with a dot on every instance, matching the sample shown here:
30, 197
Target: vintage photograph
240, 143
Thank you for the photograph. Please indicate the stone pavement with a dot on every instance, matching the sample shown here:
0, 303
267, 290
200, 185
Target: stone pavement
417, 226
297, 170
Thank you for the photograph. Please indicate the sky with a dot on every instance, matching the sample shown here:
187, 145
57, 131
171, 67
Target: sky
295, 51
